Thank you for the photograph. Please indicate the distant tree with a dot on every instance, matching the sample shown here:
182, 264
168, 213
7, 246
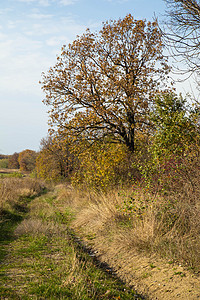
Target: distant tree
13, 162
27, 160
103, 84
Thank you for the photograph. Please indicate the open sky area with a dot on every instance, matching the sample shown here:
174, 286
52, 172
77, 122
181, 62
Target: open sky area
31, 35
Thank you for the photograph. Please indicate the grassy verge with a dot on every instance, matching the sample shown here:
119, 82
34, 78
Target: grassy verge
43, 262
15, 194
141, 221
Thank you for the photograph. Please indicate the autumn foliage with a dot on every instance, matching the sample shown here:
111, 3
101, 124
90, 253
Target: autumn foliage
113, 115
103, 84
102, 165
55, 161
13, 162
27, 159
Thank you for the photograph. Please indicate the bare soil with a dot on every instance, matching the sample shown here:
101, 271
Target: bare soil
152, 277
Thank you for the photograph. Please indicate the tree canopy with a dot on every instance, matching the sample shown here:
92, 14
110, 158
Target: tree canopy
103, 84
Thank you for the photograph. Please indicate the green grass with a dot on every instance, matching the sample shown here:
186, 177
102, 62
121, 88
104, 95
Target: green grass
9, 175
46, 263
8, 222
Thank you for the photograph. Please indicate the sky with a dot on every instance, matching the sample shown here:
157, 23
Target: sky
32, 33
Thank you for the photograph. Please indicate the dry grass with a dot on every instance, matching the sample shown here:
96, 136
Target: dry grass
37, 226
44, 262
133, 230
164, 225
9, 171
12, 190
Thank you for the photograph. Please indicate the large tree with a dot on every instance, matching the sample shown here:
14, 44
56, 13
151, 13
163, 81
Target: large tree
103, 83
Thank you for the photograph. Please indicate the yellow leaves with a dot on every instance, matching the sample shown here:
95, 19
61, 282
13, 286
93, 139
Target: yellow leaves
98, 164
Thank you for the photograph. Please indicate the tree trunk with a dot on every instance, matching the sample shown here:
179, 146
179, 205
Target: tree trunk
130, 141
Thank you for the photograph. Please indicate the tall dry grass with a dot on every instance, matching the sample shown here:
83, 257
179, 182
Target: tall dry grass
14, 190
163, 224
177, 233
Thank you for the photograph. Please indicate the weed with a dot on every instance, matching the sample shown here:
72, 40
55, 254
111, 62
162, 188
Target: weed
152, 266
146, 275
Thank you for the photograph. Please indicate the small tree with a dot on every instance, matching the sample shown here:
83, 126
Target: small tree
174, 141
4, 163
103, 165
103, 84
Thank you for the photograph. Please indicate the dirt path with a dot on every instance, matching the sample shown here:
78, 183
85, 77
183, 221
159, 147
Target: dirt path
42, 261
152, 277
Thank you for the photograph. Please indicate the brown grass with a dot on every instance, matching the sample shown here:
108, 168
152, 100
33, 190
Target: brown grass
135, 236
164, 225
14, 189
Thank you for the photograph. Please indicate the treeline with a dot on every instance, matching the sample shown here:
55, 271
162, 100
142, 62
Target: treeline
170, 144
25, 160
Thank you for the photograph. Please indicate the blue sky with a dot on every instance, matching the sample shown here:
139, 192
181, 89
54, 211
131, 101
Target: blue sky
31, 35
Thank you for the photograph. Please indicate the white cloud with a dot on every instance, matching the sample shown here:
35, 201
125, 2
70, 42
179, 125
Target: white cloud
39, 2
57, 41
2, 36
5, 10
44, 2
67, 2
39, 16
49, 2
117, 1
5, 50
21, 65
31, 49
49, 28
12, 24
